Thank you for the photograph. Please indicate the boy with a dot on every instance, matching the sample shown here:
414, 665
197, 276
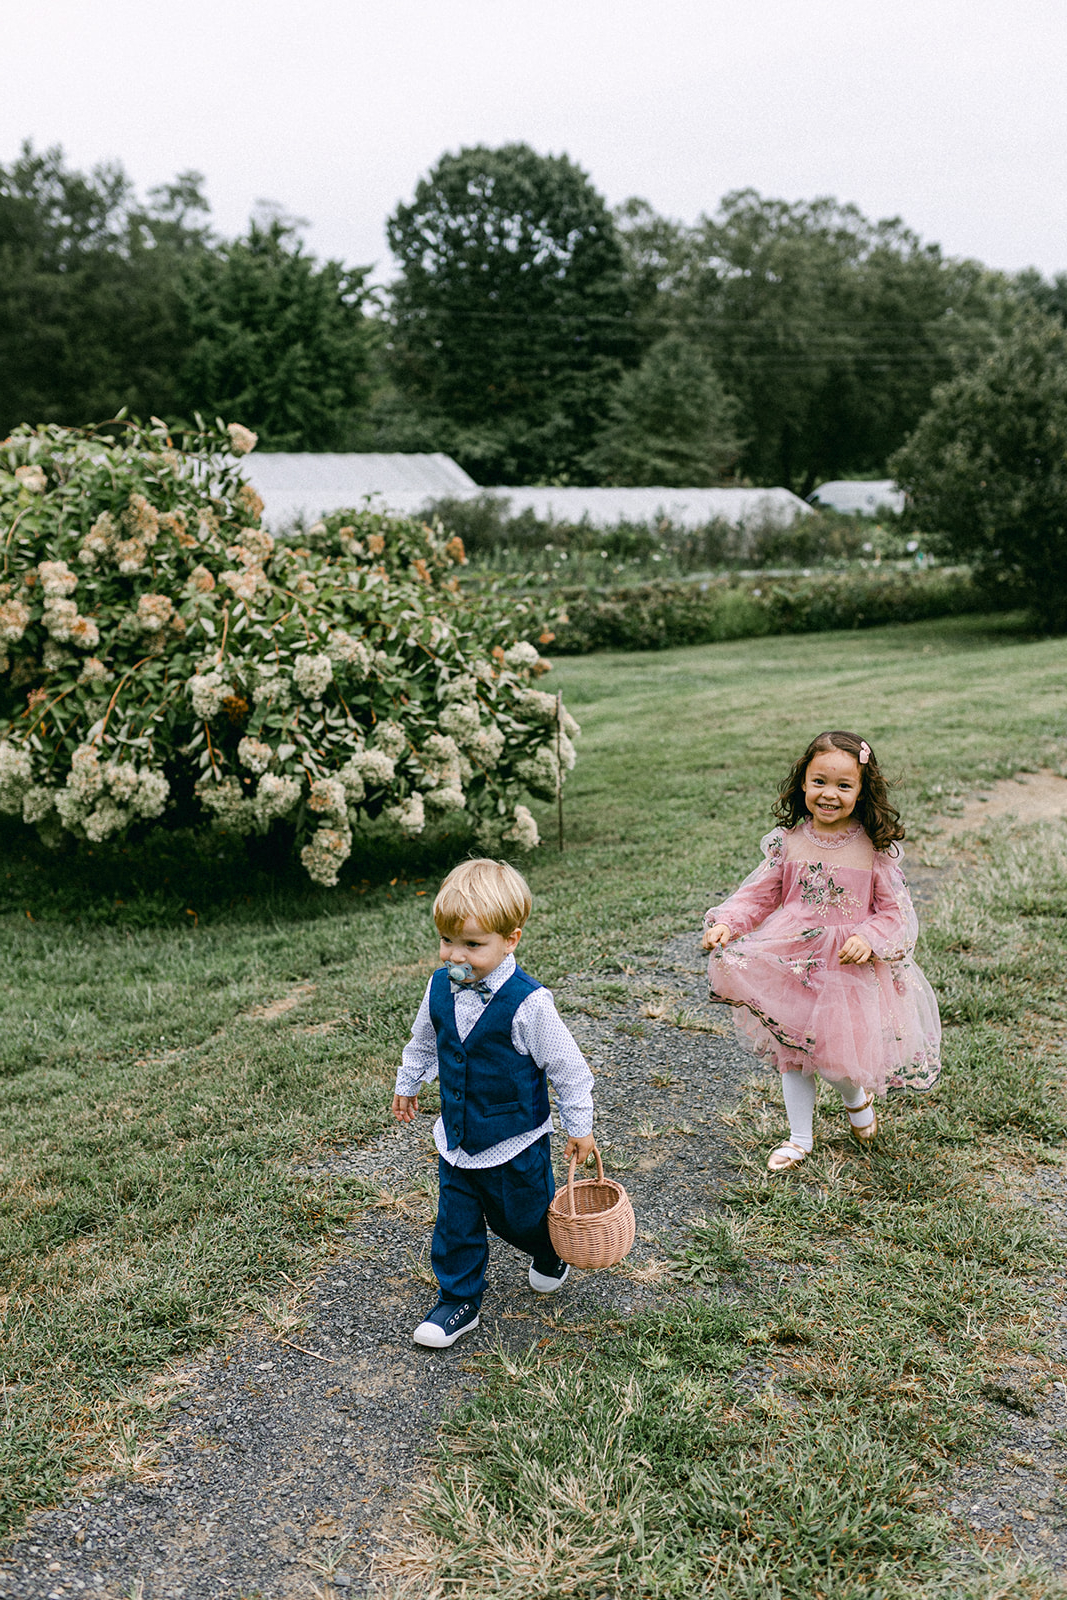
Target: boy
493, 1034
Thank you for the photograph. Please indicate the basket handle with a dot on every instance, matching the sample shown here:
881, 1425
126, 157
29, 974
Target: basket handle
570, 1175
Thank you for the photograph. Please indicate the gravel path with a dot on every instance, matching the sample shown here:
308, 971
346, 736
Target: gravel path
285, 1452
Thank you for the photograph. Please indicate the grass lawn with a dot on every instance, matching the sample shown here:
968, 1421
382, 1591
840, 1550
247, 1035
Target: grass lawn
150, 1117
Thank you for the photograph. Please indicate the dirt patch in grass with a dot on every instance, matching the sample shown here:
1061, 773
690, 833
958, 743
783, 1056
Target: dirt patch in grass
1027, 798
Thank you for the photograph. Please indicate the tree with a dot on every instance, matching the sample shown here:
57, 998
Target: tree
670, 422
106, 303
278, 339
987, 465
90, 289
830, 330
510, 318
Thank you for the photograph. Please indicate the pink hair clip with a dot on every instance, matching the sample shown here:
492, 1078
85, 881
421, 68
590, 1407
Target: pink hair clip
865, 752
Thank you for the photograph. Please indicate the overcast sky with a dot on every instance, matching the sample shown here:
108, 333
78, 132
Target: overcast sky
949, 113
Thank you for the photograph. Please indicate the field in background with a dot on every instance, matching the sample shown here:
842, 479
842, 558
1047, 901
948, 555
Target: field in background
155, 1092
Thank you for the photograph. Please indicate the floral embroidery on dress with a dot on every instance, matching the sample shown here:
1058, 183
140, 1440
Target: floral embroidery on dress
817, 888
810, 933
803, 969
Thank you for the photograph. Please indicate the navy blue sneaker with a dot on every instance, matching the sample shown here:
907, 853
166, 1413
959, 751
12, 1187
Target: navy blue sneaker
447, 1322
548, 1282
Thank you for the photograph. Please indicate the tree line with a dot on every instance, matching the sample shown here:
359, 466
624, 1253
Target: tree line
530, 331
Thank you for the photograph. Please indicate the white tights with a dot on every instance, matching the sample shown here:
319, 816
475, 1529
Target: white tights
798, 1091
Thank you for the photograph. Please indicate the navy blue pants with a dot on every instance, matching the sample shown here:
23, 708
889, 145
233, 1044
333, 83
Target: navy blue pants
512, 1200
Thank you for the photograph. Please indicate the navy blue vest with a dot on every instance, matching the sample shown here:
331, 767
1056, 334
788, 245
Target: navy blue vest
489, 1091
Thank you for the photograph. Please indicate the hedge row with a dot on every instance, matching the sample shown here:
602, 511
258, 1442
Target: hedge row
657, 616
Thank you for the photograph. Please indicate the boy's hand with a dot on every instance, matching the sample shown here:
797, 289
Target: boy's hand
855, 949
582, 1148
718, 933
405, 1107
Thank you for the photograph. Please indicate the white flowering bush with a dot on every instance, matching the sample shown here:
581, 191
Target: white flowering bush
163, 659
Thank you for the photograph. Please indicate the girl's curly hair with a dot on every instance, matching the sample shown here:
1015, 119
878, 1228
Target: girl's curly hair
880, 819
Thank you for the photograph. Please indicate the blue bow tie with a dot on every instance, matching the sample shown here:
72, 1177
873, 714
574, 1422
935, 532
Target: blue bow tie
481, 989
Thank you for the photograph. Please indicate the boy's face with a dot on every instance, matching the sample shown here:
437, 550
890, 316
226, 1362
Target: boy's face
485, 951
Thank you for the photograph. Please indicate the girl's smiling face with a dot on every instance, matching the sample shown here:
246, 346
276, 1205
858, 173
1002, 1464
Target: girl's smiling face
832, 786
484, 950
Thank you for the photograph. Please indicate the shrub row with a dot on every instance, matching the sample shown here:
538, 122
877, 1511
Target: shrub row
657, 616
490, 532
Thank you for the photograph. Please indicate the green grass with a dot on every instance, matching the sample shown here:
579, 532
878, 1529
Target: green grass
148, 1125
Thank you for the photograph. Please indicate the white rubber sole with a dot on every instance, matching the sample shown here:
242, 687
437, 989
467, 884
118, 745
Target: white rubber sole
542, 1285
434, 1337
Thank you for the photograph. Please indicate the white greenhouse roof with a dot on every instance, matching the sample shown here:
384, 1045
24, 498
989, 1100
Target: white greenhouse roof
685, 508
307, 486
856, 495
302, 484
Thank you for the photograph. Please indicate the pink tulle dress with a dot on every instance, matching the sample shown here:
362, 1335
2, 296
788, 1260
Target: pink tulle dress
796, 1005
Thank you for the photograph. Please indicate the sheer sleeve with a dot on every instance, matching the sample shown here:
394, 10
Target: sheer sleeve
759, 895
892, 927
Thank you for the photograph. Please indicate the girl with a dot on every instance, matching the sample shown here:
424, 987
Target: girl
814, 948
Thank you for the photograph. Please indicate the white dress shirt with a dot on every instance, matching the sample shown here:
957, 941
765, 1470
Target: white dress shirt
537, 1030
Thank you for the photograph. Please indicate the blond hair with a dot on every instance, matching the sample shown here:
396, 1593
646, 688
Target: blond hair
492, 893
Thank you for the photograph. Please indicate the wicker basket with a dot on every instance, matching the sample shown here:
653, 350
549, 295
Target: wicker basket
591, 1223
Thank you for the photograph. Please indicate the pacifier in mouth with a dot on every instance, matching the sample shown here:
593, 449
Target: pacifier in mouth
460, 971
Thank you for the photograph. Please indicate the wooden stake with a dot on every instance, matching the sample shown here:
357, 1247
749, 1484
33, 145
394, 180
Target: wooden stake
559, 768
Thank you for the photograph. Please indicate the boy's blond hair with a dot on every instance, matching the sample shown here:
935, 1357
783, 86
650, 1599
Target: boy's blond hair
492, 893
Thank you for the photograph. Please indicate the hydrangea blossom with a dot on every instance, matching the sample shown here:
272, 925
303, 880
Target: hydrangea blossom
540, 771
59, 617
487, 746
390, 737
275, 797
154, 611
242, 440
94, 671
16, 774
461, 719
14, 620
327, 796
121, 778
32, 478
84, 633
153, 792
207, 691
535, 706
327, 853
105, 819
352, 778
56, 578
372, 765
465, 687
312, 675
522, 654
410, 815
523, 830
228, 802
273, 687
36, 804
254, 754
448, 797
343, 648
200, 581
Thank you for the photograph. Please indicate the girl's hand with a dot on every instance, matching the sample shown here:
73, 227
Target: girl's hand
719, 933
405, 1107
855, 949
